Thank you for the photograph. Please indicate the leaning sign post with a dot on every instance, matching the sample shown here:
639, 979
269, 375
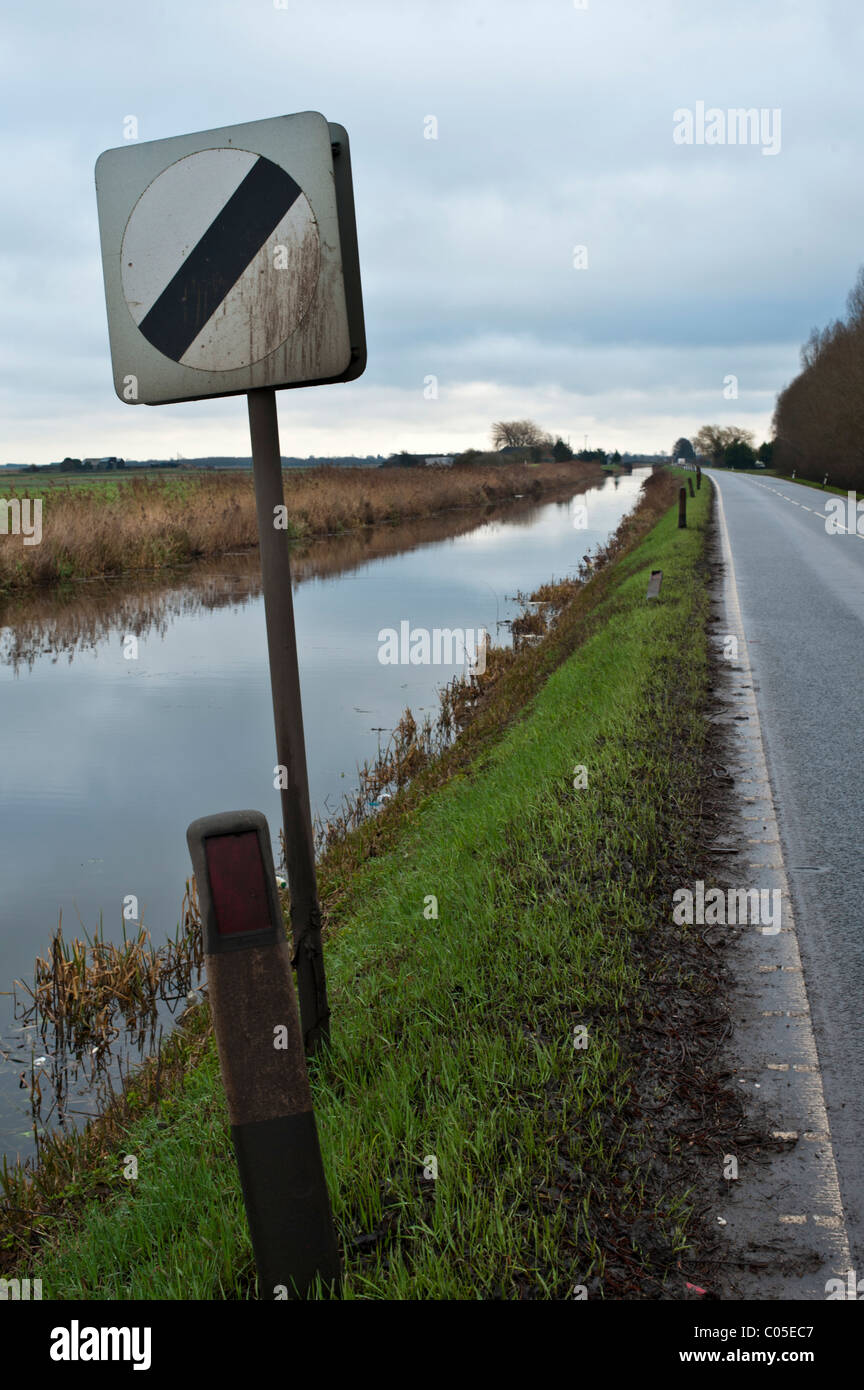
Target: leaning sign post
231, 267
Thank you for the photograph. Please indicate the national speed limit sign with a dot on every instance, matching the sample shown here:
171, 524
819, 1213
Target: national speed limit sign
230, 261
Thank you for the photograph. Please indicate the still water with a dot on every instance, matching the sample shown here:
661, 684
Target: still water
106, 759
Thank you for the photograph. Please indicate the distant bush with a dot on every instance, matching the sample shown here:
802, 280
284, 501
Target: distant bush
480, 459
739, 455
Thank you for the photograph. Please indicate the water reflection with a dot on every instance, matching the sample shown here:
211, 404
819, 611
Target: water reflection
62, 624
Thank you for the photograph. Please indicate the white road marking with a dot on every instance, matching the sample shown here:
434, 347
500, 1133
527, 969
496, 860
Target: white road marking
839, 525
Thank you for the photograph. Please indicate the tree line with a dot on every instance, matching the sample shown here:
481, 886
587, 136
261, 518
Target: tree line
527, 437
524, 441
724, 446
819, 416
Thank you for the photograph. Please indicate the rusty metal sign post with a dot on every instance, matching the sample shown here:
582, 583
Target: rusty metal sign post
231, 267
288, 715
261, 1056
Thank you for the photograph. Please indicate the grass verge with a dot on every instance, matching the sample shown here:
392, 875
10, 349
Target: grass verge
548, 1037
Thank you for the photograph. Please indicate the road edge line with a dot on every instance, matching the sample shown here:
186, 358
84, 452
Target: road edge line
828, 1181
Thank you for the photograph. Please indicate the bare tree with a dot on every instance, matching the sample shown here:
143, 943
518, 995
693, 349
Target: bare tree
714, 440
517, 434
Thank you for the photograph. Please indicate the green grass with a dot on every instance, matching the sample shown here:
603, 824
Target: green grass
453, 1036
103, 488
106, 484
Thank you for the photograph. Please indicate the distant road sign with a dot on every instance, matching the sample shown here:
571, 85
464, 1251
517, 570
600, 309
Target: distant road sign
230, 261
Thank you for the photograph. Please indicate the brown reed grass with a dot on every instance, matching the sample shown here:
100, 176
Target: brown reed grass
87, 995
97, 529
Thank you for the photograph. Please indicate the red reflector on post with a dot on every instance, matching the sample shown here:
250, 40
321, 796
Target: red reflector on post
237, 884
233, 862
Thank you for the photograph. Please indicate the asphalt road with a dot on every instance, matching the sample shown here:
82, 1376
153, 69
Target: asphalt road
801, 592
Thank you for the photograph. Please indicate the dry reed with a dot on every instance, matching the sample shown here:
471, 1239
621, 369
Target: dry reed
86, 996
96, 529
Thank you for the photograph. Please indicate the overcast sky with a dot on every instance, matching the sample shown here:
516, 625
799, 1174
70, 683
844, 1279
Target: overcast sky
556, 129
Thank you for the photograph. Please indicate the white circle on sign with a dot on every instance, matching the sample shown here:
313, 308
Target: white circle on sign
220, 259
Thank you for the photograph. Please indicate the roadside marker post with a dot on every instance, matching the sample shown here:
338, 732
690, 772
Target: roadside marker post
682, 507
261, 1056
231, 267
698, 477
690, 486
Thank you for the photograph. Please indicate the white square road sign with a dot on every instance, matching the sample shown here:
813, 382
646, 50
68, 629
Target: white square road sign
230, 261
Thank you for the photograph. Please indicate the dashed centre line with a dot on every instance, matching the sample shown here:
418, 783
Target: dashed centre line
839, 525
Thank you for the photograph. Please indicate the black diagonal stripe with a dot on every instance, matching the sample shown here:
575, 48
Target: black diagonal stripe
212, 267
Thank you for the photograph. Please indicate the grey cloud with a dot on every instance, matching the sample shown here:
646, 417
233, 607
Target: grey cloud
554, 129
